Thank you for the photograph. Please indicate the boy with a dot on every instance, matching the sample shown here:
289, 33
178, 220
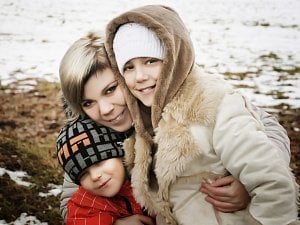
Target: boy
92, 157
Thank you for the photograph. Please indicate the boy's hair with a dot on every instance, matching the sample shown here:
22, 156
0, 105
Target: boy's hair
83, 143
83, 59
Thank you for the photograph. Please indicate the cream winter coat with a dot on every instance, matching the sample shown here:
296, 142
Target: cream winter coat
213, 133
198, 129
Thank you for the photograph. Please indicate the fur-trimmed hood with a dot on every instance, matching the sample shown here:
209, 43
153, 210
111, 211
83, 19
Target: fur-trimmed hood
178, 60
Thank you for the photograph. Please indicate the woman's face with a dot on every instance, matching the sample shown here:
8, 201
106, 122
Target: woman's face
104, 102
141, 75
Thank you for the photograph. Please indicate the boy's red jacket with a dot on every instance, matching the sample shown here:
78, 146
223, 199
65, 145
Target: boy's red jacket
86, 208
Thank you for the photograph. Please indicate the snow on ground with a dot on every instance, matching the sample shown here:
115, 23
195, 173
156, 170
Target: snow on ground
233, 36
16, 176
24, 218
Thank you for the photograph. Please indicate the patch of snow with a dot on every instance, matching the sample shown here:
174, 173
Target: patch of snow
16, 176
54, 190
24, 219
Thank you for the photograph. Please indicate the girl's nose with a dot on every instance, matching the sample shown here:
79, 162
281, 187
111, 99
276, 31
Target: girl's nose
105, 107
140, 75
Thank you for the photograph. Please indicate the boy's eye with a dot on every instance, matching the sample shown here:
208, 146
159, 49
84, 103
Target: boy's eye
82, 175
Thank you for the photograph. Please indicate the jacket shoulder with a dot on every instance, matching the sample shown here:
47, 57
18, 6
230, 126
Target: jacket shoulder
199, 98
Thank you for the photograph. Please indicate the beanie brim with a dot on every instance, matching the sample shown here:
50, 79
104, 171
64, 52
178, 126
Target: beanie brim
84, 143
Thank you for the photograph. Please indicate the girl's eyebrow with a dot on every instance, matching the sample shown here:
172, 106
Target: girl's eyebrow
127, 63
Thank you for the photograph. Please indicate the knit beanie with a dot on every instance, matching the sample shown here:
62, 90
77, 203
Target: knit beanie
133, 40
84, 143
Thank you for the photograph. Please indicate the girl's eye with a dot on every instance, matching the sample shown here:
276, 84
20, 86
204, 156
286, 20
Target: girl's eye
127, 67
152, 60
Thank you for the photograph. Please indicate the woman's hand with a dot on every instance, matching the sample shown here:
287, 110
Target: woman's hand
226, 194
135, 220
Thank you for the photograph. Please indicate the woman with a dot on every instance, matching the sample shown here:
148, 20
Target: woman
192, 127
90, 89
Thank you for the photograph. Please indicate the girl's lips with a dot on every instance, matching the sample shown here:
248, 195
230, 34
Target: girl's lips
147, 90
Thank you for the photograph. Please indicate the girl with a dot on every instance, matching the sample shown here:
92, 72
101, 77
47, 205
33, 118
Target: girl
192, 128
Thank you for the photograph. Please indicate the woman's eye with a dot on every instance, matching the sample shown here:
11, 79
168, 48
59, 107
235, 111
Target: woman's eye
111, 89
86, 104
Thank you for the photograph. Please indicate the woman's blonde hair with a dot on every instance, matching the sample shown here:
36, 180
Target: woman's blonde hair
82, 60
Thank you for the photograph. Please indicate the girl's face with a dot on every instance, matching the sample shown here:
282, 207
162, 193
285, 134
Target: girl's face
104, 102
141, 75
104, 178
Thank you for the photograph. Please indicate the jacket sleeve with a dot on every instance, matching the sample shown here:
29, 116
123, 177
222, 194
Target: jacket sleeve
275, 132
68, 189
239, 139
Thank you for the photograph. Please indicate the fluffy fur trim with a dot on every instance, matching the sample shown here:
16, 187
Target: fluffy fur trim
178, 60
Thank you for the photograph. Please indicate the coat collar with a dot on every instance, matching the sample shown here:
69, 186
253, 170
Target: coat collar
178, 61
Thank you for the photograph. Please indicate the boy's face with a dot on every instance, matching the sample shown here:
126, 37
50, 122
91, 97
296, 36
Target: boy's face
104, 102
141, 75
104, 178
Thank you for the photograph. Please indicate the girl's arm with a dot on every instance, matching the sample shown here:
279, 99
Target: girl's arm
228, 194
240, 140
275, 132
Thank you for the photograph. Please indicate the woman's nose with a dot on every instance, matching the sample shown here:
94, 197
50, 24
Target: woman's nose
105, 107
